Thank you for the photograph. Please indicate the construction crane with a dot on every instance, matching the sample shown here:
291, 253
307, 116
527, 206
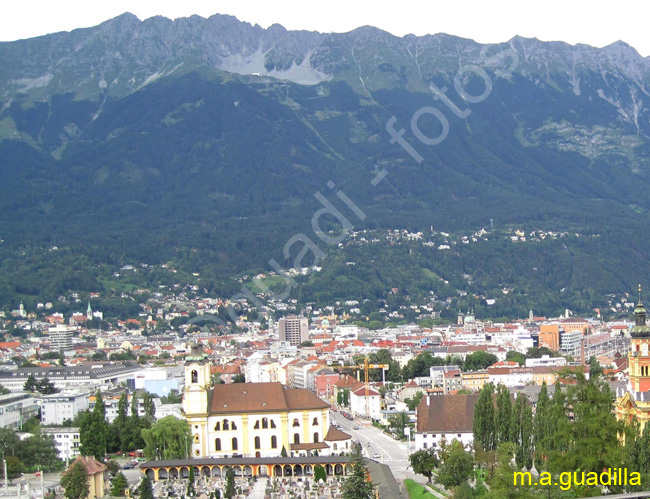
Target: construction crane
366, 366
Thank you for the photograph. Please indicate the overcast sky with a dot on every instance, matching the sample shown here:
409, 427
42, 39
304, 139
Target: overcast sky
595, 22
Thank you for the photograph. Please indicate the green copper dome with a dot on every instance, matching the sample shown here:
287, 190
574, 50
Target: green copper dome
640, 329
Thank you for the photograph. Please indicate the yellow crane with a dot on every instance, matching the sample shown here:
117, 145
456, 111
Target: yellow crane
366, 366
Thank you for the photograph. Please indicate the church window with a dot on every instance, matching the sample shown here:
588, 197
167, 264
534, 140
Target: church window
196, 438
226, 426
265, 423
334, 446
257, 443
315, 422
257, 425
217, 444
316, 437
233, 426
217, 427
234, 443
195, 376
296, 422
272, 424
274, 442
296, 438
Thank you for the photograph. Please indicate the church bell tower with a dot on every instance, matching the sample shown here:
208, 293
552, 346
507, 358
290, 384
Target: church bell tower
639, 359
197, 381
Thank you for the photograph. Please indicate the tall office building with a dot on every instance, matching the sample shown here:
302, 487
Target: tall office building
293, 329
61, 338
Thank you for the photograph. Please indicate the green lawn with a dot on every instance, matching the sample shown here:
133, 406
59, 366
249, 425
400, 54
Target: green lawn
417, 491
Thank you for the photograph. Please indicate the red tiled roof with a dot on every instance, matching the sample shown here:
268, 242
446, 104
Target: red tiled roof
91, 464
446, 413
262, 397
335, 435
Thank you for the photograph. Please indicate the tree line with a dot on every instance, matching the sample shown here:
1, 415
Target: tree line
574, 429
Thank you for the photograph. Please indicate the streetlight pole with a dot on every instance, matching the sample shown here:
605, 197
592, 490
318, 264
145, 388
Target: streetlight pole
407, 432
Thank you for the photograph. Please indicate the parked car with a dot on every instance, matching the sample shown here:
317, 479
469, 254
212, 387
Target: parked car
356, 427
128, 466
376, 455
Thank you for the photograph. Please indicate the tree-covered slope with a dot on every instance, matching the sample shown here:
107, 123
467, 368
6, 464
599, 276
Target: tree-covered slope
217, 161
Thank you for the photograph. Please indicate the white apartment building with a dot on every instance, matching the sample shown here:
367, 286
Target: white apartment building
546, 360
16, 408
61, 338
66, 441
363, 406
510, 376
58, 407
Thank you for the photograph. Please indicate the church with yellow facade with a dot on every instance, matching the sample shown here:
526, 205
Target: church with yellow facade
634, 401
256, 419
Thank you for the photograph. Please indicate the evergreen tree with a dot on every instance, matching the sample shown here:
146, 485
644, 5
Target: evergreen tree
515, 420
92, 434
319, 473
521, 430
117, 434
100, 407
640, 456
75, 482
356, 485
541, 427
149, 407
146, 489
30, 384
503, 417
229, 492
484, 419
190, 483
120, 484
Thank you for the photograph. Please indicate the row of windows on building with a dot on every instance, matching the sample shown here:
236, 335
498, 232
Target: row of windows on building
264, 423
257, 442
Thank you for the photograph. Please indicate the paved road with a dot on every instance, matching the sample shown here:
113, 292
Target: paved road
374, 441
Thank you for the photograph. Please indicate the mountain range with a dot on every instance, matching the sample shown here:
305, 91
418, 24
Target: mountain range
207, 143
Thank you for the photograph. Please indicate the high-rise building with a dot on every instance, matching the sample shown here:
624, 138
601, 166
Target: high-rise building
61, 338
293, 330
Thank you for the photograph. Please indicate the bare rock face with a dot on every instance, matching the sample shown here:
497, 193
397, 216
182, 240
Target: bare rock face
124, 54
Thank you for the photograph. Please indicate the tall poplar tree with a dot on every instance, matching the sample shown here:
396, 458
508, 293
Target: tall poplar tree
541, 427
522, 432
483, 426
503, 416
93, 431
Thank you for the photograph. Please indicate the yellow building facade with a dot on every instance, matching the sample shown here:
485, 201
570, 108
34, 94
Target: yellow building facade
634, 402
251, 419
